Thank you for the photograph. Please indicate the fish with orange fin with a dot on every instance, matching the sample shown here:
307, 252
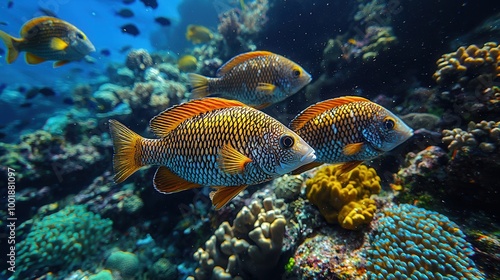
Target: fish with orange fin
258, 79
348, 130
210, 142
48, 38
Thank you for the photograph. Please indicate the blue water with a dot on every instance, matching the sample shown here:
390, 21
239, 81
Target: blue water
73, 222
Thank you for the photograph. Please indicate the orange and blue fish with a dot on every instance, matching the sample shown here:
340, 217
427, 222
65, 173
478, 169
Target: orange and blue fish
210, 142
349, 130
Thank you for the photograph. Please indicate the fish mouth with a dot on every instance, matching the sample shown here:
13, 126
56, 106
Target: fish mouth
308, 158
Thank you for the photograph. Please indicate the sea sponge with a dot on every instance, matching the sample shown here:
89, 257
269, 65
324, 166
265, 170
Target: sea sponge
331, 191
414, 243
469, 66
126, 263
64, 238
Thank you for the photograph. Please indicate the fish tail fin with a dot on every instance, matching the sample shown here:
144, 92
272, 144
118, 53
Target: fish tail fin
127, 151
199, 84
10, 42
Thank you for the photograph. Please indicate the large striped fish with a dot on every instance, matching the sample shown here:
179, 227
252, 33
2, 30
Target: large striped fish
210, 142
257, 79
348, 130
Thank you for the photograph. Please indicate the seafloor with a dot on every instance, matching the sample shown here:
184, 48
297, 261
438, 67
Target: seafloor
426, 210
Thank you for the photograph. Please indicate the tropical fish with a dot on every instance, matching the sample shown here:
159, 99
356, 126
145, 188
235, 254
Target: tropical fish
257, 79
125, 13
150, 3
163, 21
105, 52
210, 142
187, 63
348, 130
198, 34
48, 38
130, 29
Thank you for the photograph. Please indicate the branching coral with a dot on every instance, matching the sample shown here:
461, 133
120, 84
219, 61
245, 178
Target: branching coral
413, 243
344, 198
471, 67
249, 248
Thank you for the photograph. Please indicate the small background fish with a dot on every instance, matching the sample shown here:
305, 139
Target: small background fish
349, 130
257, 79
198, 34
48, 38
210, 142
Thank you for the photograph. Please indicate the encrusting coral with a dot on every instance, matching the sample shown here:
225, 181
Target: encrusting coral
483, 135
251, 247
344, 198
413, 243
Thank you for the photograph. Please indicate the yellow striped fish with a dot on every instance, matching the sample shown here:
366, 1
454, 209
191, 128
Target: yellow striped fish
48, 38
257, 79
348, 130
210, 142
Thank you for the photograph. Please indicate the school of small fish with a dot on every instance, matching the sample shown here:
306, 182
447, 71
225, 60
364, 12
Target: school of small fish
224, 141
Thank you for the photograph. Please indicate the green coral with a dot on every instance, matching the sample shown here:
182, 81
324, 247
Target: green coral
289, 265
64, 238
126, 263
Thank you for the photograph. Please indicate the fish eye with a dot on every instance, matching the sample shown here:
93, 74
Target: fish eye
80, 36
296, 72
286, 141
389, 124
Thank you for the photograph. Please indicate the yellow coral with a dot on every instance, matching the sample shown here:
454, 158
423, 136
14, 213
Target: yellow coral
344, 198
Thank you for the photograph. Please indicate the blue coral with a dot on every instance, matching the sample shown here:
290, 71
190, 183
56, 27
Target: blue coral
414, 243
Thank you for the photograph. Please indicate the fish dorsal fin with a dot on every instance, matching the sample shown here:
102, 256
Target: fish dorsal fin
32, 23
231, 160
165, 181
223, 195
239, 59
320, 107
166, 121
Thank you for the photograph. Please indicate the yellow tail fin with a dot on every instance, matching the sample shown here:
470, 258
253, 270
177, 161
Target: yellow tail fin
199, 84
12, 51
127, 147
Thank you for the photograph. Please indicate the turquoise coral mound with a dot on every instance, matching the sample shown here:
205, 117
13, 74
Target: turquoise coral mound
64, 238
414, 243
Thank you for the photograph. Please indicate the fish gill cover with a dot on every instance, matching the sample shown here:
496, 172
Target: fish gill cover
68, 68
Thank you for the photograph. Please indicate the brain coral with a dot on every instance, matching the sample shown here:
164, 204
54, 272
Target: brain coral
344, 198
414, 243
63, 238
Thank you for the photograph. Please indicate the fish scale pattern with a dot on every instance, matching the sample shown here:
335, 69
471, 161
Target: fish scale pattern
414, 243
200, 138
333, 129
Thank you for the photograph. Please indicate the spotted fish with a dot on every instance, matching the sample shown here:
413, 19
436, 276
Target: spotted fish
349, 130
48, 38
210, 142
257, 79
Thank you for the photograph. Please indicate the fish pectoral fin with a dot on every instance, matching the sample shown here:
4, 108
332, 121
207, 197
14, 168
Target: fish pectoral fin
306, 167
165, 181
58, 44
352, 149
60, 63
33, 59
231, 160
348, 166
266, 88
223, 195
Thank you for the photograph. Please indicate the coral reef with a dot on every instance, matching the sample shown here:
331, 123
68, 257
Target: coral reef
125, 263
162, 269
138, 60
66, 238
288, 186
344, 198
411, 242
483, 136
251, 247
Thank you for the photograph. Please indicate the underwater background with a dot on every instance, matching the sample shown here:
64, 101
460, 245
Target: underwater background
426, 210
